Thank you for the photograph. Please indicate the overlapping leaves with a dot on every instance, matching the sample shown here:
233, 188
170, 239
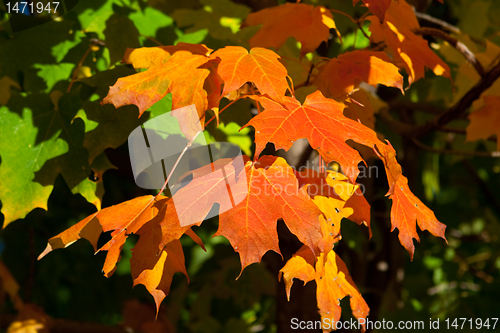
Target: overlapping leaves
192, 74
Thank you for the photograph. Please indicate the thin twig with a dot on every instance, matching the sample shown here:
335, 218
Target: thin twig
456, 152
360, 26
461, 106
153, 40
342, 13
444, 25
77, 69
453, 130
176, 163
93, 42
416, 106
454, 112
230, 103
461, 132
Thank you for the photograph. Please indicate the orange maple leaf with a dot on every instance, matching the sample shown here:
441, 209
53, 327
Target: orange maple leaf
342, 75
146, 88
260, 66
273, 193
308, 24
320, 185
123, 219
333, 284
485, 121
410, 50
407, 210
320, 120
146, 57
376, 7
155, 269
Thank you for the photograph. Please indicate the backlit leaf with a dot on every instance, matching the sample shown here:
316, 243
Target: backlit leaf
273, 194
376, 7
407, 210
146, 88
260, 66
408, 49
333, 284
307, 24
342, 75
320, 120
485, 121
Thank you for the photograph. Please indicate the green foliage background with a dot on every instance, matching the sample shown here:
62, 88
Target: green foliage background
61, 150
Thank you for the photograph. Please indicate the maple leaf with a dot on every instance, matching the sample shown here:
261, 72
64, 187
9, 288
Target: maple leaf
146, 88
213, 183
407, 210
358, 209
123, 219
344, 195
334, 212
113, 126
342, 75
307, 24
410, 50
155, 269
485, 121
333, 284
320, 120
273, 193
376, 7
260, 66
146, 57
38, 144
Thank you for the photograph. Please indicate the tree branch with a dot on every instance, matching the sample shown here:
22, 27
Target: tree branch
458, 45
461, 106
416, 106
456, 152
454, 112
444, 25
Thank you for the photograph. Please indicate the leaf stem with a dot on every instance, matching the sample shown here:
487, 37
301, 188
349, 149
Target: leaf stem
342, 13
75, 72
208, 122
176, 163
153, 40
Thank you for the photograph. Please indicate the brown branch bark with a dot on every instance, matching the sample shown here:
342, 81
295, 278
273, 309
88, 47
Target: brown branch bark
416, 106
454, 112
444, 25
456, 152
458, 45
